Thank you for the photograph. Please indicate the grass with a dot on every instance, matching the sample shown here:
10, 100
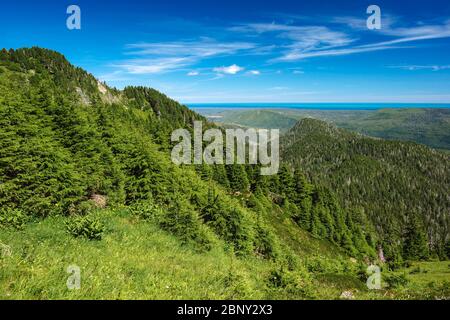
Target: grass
301, 241
134, 260
137, 260
422, 273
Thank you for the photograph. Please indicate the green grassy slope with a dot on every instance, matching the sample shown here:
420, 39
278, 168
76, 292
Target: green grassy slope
137, 260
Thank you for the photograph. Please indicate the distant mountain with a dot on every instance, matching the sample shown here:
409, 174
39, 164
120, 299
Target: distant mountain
396, 184
266, 119
426, 126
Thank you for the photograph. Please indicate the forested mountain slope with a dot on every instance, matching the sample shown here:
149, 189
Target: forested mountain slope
402, 187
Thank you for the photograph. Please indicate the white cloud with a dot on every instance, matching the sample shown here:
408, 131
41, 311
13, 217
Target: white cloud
152, 66
335, 52
233, 69
278, 88
298, 72
203, 48
302, 37
193, 73
360, 24
254, 72
418, 67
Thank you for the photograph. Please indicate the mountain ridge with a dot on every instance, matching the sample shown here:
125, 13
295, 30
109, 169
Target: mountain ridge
376, 176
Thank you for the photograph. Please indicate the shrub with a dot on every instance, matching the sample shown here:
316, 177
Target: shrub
233, 225
182, 221
266, 244
147, 210
83, 208
396, 280
407, 264
296, 282
238, 285
415, 270
86, 227
179, 219
12, 218
318, 264
289, 260
361, 273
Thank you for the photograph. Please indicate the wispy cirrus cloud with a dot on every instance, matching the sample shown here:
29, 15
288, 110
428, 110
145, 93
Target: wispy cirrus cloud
301, 38
360, 24
152, 58
401, 35
419, 67
289, 42
155, 65
304, 42
295, 56
203, 48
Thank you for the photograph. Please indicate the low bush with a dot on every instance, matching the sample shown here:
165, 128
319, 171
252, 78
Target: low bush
297, 283
183, 222
238, 285
85, 226
147, 210
266, 244
395, 280
83, 208
415, 270
179, 219
318, 264
12, 218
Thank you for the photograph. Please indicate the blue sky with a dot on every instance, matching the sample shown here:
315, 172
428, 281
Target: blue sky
249, 51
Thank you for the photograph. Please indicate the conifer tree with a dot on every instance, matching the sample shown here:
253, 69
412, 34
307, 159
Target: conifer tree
238, 178
219, 175
287, 188
415, 246
447, 249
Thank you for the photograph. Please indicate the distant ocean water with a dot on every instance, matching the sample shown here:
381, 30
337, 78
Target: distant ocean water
317, 106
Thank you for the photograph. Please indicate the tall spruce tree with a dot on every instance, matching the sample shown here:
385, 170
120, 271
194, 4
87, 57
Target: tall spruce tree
415, 245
